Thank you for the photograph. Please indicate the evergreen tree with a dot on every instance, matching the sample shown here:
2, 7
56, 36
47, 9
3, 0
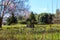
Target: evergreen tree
31, 20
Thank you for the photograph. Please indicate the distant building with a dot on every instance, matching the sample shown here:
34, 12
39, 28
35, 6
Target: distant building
56, 18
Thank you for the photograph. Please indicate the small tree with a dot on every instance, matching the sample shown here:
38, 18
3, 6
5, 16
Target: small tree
31, 20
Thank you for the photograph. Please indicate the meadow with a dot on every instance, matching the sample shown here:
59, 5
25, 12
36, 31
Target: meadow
21, 32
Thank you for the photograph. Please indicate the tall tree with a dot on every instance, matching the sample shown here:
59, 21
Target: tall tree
9, 6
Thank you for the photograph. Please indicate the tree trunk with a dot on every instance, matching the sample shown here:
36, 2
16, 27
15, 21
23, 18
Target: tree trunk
1, 19
0, 22
32, 26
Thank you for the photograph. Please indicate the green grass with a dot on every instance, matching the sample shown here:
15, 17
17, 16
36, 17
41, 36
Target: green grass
21, 32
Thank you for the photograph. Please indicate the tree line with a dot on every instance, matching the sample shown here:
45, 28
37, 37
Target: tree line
42, 18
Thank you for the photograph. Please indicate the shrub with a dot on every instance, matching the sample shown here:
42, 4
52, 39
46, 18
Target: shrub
11, 20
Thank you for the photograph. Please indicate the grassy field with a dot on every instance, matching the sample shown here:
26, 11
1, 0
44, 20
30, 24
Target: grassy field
21, 32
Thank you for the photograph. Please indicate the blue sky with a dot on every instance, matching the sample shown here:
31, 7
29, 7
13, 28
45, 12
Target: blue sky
39, 6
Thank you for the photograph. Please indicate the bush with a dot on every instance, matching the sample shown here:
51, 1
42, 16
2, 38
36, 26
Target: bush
12, 20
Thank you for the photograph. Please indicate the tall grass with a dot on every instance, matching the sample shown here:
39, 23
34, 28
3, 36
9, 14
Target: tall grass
21, 32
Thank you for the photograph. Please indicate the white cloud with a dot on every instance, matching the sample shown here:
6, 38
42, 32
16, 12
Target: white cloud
43, 10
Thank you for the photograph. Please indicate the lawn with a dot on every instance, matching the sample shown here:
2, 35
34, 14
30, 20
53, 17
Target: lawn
21, 32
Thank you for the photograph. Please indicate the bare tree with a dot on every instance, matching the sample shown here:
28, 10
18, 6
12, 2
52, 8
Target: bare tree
9, 6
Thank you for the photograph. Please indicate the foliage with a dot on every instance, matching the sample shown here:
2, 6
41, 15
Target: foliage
36, 16
11, 20
32, 16
31, 20
45, 18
